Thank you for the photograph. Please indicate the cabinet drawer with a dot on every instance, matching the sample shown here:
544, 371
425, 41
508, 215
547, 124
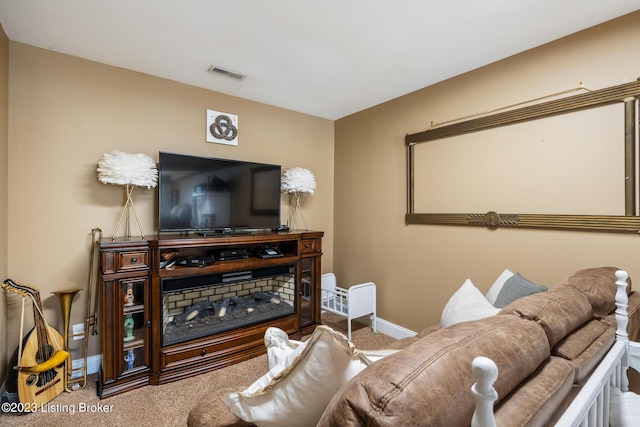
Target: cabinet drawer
190, 354
308, 246
123, 261
133, 260
223, 349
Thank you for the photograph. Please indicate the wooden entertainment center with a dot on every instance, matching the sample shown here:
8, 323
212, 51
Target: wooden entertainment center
141, 295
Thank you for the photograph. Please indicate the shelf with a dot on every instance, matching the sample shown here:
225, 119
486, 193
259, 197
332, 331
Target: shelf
129, 345
133, 309
226, 266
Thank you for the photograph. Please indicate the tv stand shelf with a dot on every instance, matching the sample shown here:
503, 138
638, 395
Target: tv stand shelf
134, 319
226, 266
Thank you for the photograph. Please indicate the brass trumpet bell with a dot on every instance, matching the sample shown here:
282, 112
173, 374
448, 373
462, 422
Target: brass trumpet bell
66, 299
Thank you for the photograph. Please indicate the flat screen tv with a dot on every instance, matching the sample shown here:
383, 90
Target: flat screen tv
208, 195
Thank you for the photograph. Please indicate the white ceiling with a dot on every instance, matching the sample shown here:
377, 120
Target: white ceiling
328, 58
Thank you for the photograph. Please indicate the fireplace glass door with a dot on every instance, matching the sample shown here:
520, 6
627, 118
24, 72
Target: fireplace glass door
199, 306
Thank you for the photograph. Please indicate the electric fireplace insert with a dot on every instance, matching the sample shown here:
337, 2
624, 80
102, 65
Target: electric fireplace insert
199, 306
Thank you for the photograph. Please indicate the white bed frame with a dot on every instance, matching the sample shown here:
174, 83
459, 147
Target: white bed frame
357, 301
590, 407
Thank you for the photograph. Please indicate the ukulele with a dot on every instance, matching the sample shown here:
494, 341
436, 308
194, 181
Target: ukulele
41, 364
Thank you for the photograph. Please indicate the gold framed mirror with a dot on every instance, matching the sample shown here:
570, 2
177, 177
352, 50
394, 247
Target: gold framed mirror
614, 101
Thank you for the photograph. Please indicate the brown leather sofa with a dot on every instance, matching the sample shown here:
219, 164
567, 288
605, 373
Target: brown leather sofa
545, 346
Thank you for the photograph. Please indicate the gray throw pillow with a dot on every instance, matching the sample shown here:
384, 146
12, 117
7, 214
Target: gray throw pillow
515, 288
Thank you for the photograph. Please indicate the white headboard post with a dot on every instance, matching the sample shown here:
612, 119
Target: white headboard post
622, 320
486, 373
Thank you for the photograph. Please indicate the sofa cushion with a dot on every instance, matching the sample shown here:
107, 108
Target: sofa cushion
598, 284
574, 344
516, 287
558, 311
586, 362
586, 347
418, 385
541, 400
212, 412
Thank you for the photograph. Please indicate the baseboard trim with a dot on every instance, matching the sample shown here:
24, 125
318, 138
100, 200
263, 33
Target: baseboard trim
393, 330
386, 327
93, 365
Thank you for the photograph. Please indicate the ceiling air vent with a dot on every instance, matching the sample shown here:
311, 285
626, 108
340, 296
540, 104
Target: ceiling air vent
226, 73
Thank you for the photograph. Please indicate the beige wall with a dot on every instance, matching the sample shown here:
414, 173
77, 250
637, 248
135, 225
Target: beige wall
416, 268
66, 112
4, 143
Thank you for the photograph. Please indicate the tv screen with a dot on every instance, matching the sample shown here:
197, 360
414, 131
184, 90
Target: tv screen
201, 194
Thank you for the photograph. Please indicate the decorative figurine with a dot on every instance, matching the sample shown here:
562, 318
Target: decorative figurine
128, 328
128, 296
130, 358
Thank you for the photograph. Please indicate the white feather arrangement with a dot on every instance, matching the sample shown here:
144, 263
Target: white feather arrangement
121, 168
298, 180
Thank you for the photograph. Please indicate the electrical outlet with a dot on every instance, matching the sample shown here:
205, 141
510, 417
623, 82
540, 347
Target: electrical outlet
78, 331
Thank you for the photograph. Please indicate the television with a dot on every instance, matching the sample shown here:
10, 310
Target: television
211, 195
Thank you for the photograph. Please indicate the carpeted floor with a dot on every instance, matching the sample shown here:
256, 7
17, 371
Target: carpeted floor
167, 404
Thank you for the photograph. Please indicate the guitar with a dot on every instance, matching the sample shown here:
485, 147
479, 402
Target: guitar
41, 366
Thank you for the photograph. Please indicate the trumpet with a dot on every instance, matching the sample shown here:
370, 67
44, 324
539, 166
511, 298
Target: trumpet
74, 382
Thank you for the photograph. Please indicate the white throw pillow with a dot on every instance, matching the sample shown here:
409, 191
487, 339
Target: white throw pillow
374, 355
297, 390
466, 304
279, 346
495, 289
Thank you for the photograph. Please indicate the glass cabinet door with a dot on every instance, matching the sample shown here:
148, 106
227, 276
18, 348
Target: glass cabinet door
133, 326
306, 291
